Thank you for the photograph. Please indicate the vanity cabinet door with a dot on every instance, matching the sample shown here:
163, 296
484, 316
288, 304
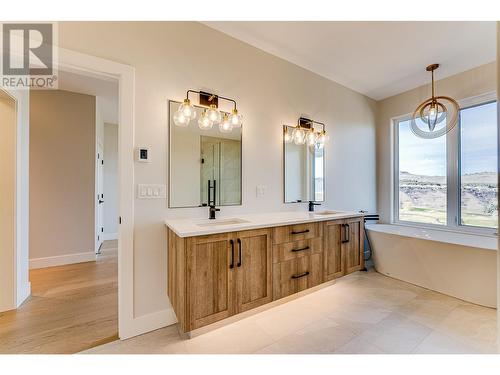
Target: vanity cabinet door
354, 244
253, 263
210, 279
334, 256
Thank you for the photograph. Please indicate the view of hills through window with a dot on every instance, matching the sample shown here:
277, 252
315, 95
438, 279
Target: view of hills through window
422, 177
478, 160
423, 166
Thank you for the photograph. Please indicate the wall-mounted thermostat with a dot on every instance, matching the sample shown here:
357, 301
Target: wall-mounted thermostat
142, 155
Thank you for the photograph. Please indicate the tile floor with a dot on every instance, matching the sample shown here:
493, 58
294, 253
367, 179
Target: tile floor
362, 313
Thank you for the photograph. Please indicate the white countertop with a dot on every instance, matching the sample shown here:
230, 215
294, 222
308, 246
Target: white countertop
202, 226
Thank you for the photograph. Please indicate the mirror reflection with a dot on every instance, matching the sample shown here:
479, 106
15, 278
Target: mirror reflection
205, 164
304, 170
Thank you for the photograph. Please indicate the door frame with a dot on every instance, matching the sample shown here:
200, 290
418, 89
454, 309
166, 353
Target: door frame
76, 62
19, 284
71, 61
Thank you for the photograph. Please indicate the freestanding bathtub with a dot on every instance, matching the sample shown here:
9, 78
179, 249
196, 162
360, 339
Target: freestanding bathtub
457, 264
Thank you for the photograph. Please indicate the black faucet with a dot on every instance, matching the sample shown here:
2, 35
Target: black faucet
211, 202
211, 211
312, 204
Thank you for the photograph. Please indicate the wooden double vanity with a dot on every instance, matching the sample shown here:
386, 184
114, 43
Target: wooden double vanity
218, 269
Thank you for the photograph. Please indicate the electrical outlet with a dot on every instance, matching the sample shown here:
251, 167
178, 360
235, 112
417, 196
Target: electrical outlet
151, 191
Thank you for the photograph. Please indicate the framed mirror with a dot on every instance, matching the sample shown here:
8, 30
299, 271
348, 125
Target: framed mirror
203, 162
304, 170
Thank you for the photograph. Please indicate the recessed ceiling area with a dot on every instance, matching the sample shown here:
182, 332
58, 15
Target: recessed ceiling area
377, 59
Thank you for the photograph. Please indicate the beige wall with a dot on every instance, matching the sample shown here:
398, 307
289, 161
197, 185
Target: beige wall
171, 57
471, 83
7, 199
62, 152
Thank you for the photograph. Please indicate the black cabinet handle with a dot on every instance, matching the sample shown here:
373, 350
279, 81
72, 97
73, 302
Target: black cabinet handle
239, 253
300, 232
301, 249
346, 232
231, 265
301, 275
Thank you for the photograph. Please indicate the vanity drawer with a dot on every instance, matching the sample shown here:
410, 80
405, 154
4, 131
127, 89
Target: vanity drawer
296, 249
296, 232
296, 275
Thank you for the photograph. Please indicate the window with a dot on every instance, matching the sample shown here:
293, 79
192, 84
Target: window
319, 183
450, 181
478, 166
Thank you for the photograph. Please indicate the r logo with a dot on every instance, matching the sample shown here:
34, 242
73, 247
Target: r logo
33, 42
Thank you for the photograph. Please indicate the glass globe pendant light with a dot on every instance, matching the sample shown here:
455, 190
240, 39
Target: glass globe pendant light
436, 115
311, 137
204, 123
235, 118
214, 114
180, 119
298, 135
225, 126
184, 114
322, 139
188, 109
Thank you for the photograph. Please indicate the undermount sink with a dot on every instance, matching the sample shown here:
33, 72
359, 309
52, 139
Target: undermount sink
327, 212
218, 222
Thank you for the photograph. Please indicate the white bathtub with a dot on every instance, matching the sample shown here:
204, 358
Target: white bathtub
456, 264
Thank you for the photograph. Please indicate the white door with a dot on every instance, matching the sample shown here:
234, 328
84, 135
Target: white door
100, 196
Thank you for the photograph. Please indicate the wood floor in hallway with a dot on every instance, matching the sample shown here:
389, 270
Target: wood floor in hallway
71, 308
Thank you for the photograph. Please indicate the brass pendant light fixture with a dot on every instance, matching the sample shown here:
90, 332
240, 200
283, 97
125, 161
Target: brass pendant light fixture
435, 116
305, 133
211, 115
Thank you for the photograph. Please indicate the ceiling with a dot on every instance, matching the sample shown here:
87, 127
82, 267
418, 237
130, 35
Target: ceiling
378, 59
105, 89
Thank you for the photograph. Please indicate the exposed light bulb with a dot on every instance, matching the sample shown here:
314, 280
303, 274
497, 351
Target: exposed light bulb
180, 119
287, 137
235, 118
188, 109
432, 117
214, 114
322, 138
204, 122
298, 136
225, 126
311, 137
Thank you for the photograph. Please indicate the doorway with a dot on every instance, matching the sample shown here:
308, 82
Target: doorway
74, 291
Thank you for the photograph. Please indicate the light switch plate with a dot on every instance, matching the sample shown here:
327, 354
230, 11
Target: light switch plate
151, 191
261, 190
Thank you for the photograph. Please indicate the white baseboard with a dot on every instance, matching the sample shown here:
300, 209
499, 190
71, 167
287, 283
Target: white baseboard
147, 323
61, 260
109, 236
24, 293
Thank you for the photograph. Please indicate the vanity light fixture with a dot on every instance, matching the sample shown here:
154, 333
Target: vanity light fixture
434, 111
211, 114
305, 133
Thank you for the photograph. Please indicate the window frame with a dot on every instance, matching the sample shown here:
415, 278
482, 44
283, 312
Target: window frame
453, 171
